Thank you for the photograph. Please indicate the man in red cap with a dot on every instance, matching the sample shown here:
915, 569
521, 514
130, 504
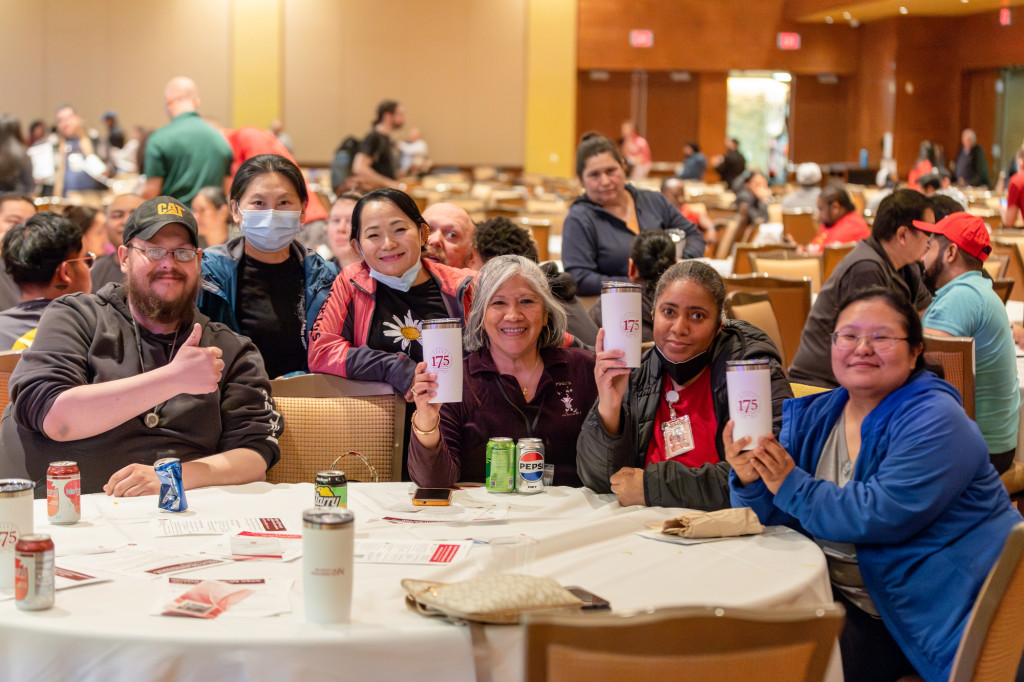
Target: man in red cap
966, 305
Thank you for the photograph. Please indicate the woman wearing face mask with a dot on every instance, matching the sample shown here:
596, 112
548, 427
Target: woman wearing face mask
622, 448
370, 326
266, 284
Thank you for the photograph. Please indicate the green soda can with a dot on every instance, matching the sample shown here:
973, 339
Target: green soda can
499, 476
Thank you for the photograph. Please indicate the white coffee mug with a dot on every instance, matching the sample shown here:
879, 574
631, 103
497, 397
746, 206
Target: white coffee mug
749, 384
15, 520
621, 319
442, 351
328, 537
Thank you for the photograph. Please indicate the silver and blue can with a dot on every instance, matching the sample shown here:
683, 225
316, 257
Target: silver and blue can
172, 490
529, 466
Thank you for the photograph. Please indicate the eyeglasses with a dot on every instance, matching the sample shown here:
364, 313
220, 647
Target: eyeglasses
158, 253
874, 341
89, 259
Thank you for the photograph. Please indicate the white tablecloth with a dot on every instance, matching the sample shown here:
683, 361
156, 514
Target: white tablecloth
103, 632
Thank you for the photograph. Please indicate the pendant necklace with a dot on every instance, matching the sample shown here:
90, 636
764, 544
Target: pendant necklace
152, 418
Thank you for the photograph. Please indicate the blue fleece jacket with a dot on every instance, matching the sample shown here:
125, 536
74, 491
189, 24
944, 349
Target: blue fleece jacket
925, 509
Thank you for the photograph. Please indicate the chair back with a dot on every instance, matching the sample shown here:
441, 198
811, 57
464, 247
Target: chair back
791, 300
1010, 248
741, 262
1003, 288
688, 643
726, 238
794, 268
775, 212
993, 639
955, 355
831, 255
8, 361
326, 416
756, 308
995, 265
800, 225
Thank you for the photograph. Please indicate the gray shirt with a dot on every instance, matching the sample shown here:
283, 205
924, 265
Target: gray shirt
843, 568
867, 265
18, 322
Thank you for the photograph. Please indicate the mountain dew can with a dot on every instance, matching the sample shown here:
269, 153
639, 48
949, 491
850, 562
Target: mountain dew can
500, 475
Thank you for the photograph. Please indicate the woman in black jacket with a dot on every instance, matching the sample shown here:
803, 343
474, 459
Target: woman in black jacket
622, 449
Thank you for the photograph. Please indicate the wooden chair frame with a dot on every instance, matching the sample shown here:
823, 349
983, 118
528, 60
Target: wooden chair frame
801, 225
791, 268
954, 353
791, 300
741, 262
683, 643
993, 639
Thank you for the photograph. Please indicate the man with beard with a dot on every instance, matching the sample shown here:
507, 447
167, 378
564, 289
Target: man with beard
451, 236
890, 257
135, 373
966, 305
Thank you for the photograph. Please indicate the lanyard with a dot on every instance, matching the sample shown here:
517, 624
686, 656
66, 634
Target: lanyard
530, 426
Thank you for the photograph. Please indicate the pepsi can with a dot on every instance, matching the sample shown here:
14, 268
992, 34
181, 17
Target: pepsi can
529, 466
172, 490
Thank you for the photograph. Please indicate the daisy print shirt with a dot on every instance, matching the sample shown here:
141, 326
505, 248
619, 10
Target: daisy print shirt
398, 316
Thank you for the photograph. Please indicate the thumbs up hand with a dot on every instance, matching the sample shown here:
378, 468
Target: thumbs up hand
196, 369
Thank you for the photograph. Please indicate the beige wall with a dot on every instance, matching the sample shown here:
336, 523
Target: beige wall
457, 66
112, 54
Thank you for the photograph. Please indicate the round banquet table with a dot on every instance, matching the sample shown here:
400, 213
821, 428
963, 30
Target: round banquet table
104, 631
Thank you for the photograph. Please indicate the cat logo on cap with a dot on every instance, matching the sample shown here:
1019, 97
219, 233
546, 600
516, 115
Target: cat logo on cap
169, 209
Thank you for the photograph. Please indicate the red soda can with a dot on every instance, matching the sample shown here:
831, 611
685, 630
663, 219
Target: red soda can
33, 573
63, 493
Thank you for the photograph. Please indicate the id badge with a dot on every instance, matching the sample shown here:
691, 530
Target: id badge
678, 436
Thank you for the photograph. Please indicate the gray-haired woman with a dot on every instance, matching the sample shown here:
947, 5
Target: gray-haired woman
622, 448
518, 381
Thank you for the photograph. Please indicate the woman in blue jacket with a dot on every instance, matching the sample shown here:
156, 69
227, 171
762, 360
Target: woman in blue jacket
893, 480
267, 284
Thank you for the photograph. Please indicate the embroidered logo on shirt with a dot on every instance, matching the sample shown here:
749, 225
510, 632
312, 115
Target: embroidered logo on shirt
564, 390
404, 332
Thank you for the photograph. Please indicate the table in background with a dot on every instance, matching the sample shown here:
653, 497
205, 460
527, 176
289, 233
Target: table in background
103, 631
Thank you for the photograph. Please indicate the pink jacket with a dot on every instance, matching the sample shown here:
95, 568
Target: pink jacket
337, 341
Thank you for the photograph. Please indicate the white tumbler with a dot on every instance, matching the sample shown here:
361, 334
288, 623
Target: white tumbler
15, 521
621, 311
749, 384
328, 535
442, 351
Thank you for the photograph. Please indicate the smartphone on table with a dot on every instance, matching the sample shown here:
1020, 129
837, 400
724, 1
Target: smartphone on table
433, 497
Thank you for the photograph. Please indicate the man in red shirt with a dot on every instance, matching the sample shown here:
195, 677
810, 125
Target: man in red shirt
840, 221
1015, 193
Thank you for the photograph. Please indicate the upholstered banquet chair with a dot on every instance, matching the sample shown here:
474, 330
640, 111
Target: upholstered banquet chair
688, 643
326, 416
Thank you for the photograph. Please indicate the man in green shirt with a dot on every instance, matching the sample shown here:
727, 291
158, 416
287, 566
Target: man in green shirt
187, 154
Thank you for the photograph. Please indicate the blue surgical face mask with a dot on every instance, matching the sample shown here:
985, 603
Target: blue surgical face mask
403, 283
270, 230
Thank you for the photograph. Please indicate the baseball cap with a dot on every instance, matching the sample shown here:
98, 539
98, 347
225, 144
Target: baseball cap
963, 229
153, 214
808, 174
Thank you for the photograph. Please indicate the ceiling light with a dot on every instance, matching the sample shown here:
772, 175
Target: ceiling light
904, 10
828, 20
847, 16
782, 77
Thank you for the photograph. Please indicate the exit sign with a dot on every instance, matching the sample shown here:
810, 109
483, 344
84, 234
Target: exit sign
641, 37
1005, 18
788, 41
